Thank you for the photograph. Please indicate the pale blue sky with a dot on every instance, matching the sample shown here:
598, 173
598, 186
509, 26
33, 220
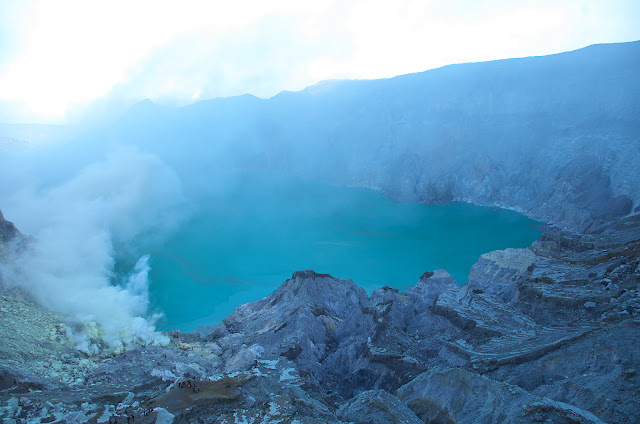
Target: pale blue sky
60, 57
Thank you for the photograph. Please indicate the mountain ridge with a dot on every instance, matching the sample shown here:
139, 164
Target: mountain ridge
513, 133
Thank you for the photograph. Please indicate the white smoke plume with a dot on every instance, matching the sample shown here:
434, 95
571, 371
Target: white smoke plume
118, 207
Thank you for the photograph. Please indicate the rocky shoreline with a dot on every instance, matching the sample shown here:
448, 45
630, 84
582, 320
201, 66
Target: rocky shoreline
547, 333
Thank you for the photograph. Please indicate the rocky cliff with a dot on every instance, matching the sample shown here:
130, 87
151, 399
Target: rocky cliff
556, 137
8, 231
543, 334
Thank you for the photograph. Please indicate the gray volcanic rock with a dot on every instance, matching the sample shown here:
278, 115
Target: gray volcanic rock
595, 372
543, 337
377, 406
319, 350
336, 335
497, 273
512, 358
297, 321
8, 234
385, 345
8, 231
34, 348
457, 396
429, 287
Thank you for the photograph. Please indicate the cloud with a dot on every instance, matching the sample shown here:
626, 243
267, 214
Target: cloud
262, 60
115, 208
65, 54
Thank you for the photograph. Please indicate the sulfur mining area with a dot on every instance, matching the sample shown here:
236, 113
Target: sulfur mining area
546, 333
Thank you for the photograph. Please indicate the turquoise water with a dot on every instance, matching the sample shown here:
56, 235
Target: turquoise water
244, 243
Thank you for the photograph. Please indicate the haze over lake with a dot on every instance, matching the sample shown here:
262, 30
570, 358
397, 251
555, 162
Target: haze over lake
244, 242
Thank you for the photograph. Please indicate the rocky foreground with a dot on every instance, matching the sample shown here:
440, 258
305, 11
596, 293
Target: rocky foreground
544, 334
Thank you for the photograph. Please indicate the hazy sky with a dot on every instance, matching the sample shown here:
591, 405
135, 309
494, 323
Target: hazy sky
58, 57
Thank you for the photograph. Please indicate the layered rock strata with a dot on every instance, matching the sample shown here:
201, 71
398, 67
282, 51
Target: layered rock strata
547, 333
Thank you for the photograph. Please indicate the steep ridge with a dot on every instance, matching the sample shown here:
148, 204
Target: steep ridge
8, 230
555, 137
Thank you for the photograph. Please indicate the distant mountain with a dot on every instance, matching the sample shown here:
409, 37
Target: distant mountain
20, 136
556, 137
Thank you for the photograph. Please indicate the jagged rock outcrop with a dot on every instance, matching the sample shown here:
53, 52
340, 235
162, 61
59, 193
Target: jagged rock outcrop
8, 231
457, 396
376, 406
541, 352
544, 333
298, 321
497, 273
547, 332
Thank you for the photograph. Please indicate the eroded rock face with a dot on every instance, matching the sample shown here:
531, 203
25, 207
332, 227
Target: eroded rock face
298, 321
377, 406
543, 333
547, 333
497, 273
8, 234
8, 231
457, 396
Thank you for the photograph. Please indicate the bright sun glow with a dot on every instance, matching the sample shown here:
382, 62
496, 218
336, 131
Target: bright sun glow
65, 54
